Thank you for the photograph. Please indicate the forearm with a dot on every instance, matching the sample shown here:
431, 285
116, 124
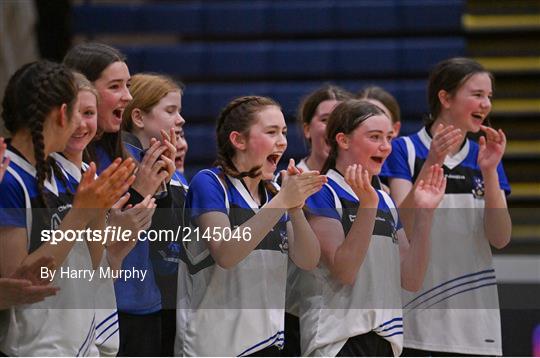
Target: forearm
304, 248
497, 222
407, 213
228, 253
351, 253
76, 219
415, 259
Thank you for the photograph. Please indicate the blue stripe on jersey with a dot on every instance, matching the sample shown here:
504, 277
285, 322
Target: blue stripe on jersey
489, 271
107, 328
106, 319
273, 339
494, 283
90, 331
391, 335
110, 335
390, 328
396, 319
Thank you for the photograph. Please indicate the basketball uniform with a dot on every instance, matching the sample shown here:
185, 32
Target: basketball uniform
331, 314
63, 324
238, 311
457, 308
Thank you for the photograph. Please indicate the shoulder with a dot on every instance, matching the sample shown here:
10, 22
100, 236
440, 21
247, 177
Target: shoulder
205, 177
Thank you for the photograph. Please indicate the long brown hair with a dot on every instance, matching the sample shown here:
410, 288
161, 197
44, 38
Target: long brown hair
345, 118
449, 75
91, 59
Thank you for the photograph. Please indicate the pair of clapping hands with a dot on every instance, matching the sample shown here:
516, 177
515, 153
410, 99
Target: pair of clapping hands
157, 164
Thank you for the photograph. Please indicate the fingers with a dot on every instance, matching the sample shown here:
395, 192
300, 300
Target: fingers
121, 202
32, 271
366, 178
33, 294
151, 156
502, 136
482, 143
88, 176
173, 138
169, 164
165, 136
14, 283
110, 169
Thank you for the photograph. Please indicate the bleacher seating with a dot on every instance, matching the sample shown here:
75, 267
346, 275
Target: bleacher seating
283, 49
264, 18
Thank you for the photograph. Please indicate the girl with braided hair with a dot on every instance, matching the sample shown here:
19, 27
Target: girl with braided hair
40, 109
234, 276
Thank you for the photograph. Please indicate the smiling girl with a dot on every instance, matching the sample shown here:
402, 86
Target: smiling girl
156, 107
139, 302
234, 279
41, 110
351, 303
456, 309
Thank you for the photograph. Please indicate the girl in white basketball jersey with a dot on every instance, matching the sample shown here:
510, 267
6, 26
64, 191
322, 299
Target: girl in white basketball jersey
351, 303
456, 311
19, 289
111, 254
40, 109
233, 283
313, 115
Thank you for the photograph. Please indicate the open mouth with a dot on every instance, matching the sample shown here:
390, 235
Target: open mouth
378, 160
478, 116
118, 113
79, 135
273, 159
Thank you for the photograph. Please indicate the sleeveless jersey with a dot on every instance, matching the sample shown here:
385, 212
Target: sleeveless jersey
238, 311
106, 338
63, 324
457, 308
330, 312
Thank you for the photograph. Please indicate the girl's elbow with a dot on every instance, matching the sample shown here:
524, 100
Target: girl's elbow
501, 243
225, 263
411, 285
309, 265
346, 279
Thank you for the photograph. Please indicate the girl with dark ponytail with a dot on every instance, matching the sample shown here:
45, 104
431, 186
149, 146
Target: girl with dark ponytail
463, 318
139, 301
40, 109
350, 304
233, 283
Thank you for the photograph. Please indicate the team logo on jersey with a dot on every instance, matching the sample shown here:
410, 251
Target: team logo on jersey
284, 245
55, 221
478, 187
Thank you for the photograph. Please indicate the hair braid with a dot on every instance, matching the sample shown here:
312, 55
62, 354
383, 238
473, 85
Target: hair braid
238, 116
32, 93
